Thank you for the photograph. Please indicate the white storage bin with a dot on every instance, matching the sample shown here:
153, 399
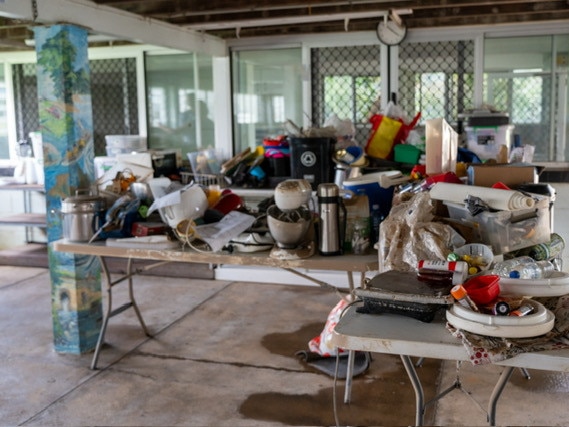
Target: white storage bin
485, 141
125, 143
507, 231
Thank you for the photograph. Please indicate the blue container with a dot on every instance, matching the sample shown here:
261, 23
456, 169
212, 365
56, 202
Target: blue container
379, 196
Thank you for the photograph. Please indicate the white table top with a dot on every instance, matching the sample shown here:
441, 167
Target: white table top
347, 263
397, 334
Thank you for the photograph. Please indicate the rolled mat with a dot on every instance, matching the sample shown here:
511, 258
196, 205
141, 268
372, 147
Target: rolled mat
505, 200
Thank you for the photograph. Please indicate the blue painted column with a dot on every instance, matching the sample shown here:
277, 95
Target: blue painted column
66, 125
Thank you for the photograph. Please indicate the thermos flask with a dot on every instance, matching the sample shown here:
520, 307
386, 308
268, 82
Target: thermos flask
330, 239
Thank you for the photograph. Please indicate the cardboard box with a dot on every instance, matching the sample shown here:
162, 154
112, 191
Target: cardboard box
512, 175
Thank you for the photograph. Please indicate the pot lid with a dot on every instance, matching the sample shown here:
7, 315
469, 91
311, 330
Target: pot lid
81, 202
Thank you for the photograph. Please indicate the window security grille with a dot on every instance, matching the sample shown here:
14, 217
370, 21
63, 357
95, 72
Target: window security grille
113, 98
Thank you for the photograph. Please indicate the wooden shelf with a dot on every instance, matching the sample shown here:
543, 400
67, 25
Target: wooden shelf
25, 219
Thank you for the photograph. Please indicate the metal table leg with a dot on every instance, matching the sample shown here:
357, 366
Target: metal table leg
419, 394
109, 310
496, 393
349, 376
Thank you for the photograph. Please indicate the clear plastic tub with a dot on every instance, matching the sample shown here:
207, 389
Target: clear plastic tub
507, 231
126, 142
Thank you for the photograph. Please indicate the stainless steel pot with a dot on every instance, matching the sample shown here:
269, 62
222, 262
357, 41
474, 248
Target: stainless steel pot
82, 216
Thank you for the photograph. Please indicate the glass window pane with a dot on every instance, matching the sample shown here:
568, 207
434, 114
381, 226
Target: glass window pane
4, 145
180, 102
518, 80
267, 91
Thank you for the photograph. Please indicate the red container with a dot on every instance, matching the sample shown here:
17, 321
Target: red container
483, 289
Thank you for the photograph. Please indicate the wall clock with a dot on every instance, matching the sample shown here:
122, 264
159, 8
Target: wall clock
390, 32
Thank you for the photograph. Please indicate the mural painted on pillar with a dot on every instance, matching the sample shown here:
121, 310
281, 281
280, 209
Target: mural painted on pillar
64, 99
76, 308
65, 116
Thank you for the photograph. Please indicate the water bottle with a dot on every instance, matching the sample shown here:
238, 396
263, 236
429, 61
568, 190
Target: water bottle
504, 268
376, 219
533, 270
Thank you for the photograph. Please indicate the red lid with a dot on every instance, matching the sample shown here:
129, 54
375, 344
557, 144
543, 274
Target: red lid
483, 289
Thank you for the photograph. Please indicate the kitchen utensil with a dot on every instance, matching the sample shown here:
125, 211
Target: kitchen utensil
292, 194
82, 216
290, 228
330, 238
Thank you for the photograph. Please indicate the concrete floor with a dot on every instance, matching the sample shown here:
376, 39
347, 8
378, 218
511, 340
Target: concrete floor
223, 354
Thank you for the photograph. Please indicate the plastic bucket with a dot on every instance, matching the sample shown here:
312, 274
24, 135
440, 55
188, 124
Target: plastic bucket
377, 195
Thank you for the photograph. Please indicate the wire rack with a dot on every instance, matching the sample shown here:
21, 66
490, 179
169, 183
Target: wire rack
203, 179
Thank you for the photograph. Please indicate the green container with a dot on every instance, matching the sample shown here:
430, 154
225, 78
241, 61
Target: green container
405, 153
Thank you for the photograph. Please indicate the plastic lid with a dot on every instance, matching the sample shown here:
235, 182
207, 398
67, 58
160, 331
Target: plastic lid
514, 274
458, 292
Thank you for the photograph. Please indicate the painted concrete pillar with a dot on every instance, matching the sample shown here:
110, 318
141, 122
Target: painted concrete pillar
66, 125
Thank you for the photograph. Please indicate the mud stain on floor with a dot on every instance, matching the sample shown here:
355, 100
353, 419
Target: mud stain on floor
381, 396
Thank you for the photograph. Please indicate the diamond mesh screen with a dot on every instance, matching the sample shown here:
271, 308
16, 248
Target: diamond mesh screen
345, 81
113, 98
436, 79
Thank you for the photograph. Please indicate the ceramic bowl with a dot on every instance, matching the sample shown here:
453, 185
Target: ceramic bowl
288, 229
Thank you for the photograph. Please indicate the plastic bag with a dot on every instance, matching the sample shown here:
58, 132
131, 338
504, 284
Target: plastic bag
321, 343
409, 234
386, 133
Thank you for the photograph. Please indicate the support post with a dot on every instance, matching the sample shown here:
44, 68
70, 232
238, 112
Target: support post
66, 125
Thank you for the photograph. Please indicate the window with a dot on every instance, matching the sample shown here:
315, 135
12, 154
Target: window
180, 102
267, 91
346, 81
4, 145
526, 77
436, 79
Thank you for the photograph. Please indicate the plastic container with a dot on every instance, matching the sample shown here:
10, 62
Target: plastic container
378, 186
533, 270
506, 231
357, 210
539, 322
461, 296
483, 289
406, 153
124, 144
311, 159
478, 256
486, 141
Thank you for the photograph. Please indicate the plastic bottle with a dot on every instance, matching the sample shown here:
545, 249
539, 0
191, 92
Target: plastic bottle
442, 272
548, 250
533, 270
504, 268
357, 209
461, 296
376, 219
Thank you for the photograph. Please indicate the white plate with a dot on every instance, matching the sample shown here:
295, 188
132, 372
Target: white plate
554, 286
537, 323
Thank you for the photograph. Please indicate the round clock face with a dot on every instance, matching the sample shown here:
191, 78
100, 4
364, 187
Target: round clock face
390, 33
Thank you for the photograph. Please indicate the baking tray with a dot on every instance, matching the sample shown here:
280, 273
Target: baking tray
402, 293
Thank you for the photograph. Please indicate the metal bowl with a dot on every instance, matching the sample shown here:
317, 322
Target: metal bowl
142, 191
